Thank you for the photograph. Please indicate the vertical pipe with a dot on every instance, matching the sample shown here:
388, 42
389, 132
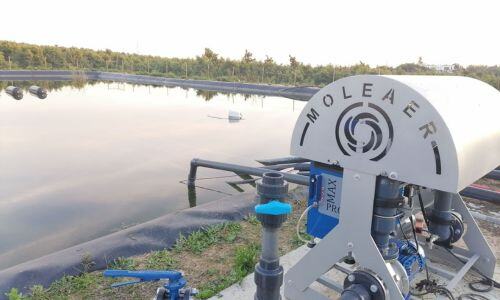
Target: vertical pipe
268, 274
441, 216
269, 244
387, 201
192, 172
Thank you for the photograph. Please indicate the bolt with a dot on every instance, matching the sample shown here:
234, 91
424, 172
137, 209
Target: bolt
356, 177
313, 180
393, 175
335, 162
373, 288
350, 245
457, 231
351, 278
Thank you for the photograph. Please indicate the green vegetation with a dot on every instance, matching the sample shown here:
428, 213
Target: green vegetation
245, 259
210, 65
14, 294
200, 240
211, 258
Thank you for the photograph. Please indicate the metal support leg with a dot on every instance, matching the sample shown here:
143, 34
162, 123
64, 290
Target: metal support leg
474, 239
352, 234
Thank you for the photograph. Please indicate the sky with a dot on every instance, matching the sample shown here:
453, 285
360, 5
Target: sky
381, 32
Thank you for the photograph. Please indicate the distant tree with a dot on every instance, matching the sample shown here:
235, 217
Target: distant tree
212, 65
210, 55
211, 58
269, 60
248, 57
293, 62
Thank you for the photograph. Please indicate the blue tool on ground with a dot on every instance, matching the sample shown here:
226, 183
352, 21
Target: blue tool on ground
173, 289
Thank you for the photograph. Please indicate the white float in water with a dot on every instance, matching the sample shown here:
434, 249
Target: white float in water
234, 115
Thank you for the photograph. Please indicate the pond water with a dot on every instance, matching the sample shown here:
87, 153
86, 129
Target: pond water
87, 162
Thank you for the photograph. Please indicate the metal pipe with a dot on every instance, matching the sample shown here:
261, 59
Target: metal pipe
471, 191
295, 166
282, 160
441, 216
195, 163
387, 202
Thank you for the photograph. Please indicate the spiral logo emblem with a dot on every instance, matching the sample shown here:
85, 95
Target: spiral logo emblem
364, 130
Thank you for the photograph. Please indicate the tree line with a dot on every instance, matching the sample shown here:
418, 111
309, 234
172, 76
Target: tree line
210, 65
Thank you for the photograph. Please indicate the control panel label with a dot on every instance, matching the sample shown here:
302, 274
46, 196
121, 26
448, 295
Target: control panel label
331, 189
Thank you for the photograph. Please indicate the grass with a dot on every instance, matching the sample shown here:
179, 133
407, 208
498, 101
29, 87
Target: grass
200, 240
160, 260
123, 263
245, 258
211, 259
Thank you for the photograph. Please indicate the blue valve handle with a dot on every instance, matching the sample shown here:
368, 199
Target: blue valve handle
175, 279
274, 208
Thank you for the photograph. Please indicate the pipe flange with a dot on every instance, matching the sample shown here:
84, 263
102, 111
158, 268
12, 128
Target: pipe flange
457, 229
370, 282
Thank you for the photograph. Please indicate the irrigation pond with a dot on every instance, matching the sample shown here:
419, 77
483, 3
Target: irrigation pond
88, 161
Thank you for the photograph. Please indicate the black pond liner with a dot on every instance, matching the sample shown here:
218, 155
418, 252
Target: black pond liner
157, 234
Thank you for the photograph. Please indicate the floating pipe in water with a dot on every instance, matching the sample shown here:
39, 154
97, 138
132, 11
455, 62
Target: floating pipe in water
195, 163
38, 91
15, 92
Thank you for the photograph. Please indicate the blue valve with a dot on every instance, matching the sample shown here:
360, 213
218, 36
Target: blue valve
274, 208
173, 287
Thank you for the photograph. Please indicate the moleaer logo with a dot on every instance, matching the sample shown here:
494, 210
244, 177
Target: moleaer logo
365, 130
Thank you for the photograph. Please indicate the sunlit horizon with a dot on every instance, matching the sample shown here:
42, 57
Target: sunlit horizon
317, 33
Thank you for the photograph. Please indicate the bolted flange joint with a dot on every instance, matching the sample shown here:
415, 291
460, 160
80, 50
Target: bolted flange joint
363, 284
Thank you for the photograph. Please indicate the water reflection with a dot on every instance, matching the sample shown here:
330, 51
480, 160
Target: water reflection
120, 86
89, 161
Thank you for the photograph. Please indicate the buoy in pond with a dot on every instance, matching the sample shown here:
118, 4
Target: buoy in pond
15, 92
234, 115
38, 91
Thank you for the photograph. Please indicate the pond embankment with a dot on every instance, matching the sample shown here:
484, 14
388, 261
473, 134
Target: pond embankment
157, 234
298, 93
